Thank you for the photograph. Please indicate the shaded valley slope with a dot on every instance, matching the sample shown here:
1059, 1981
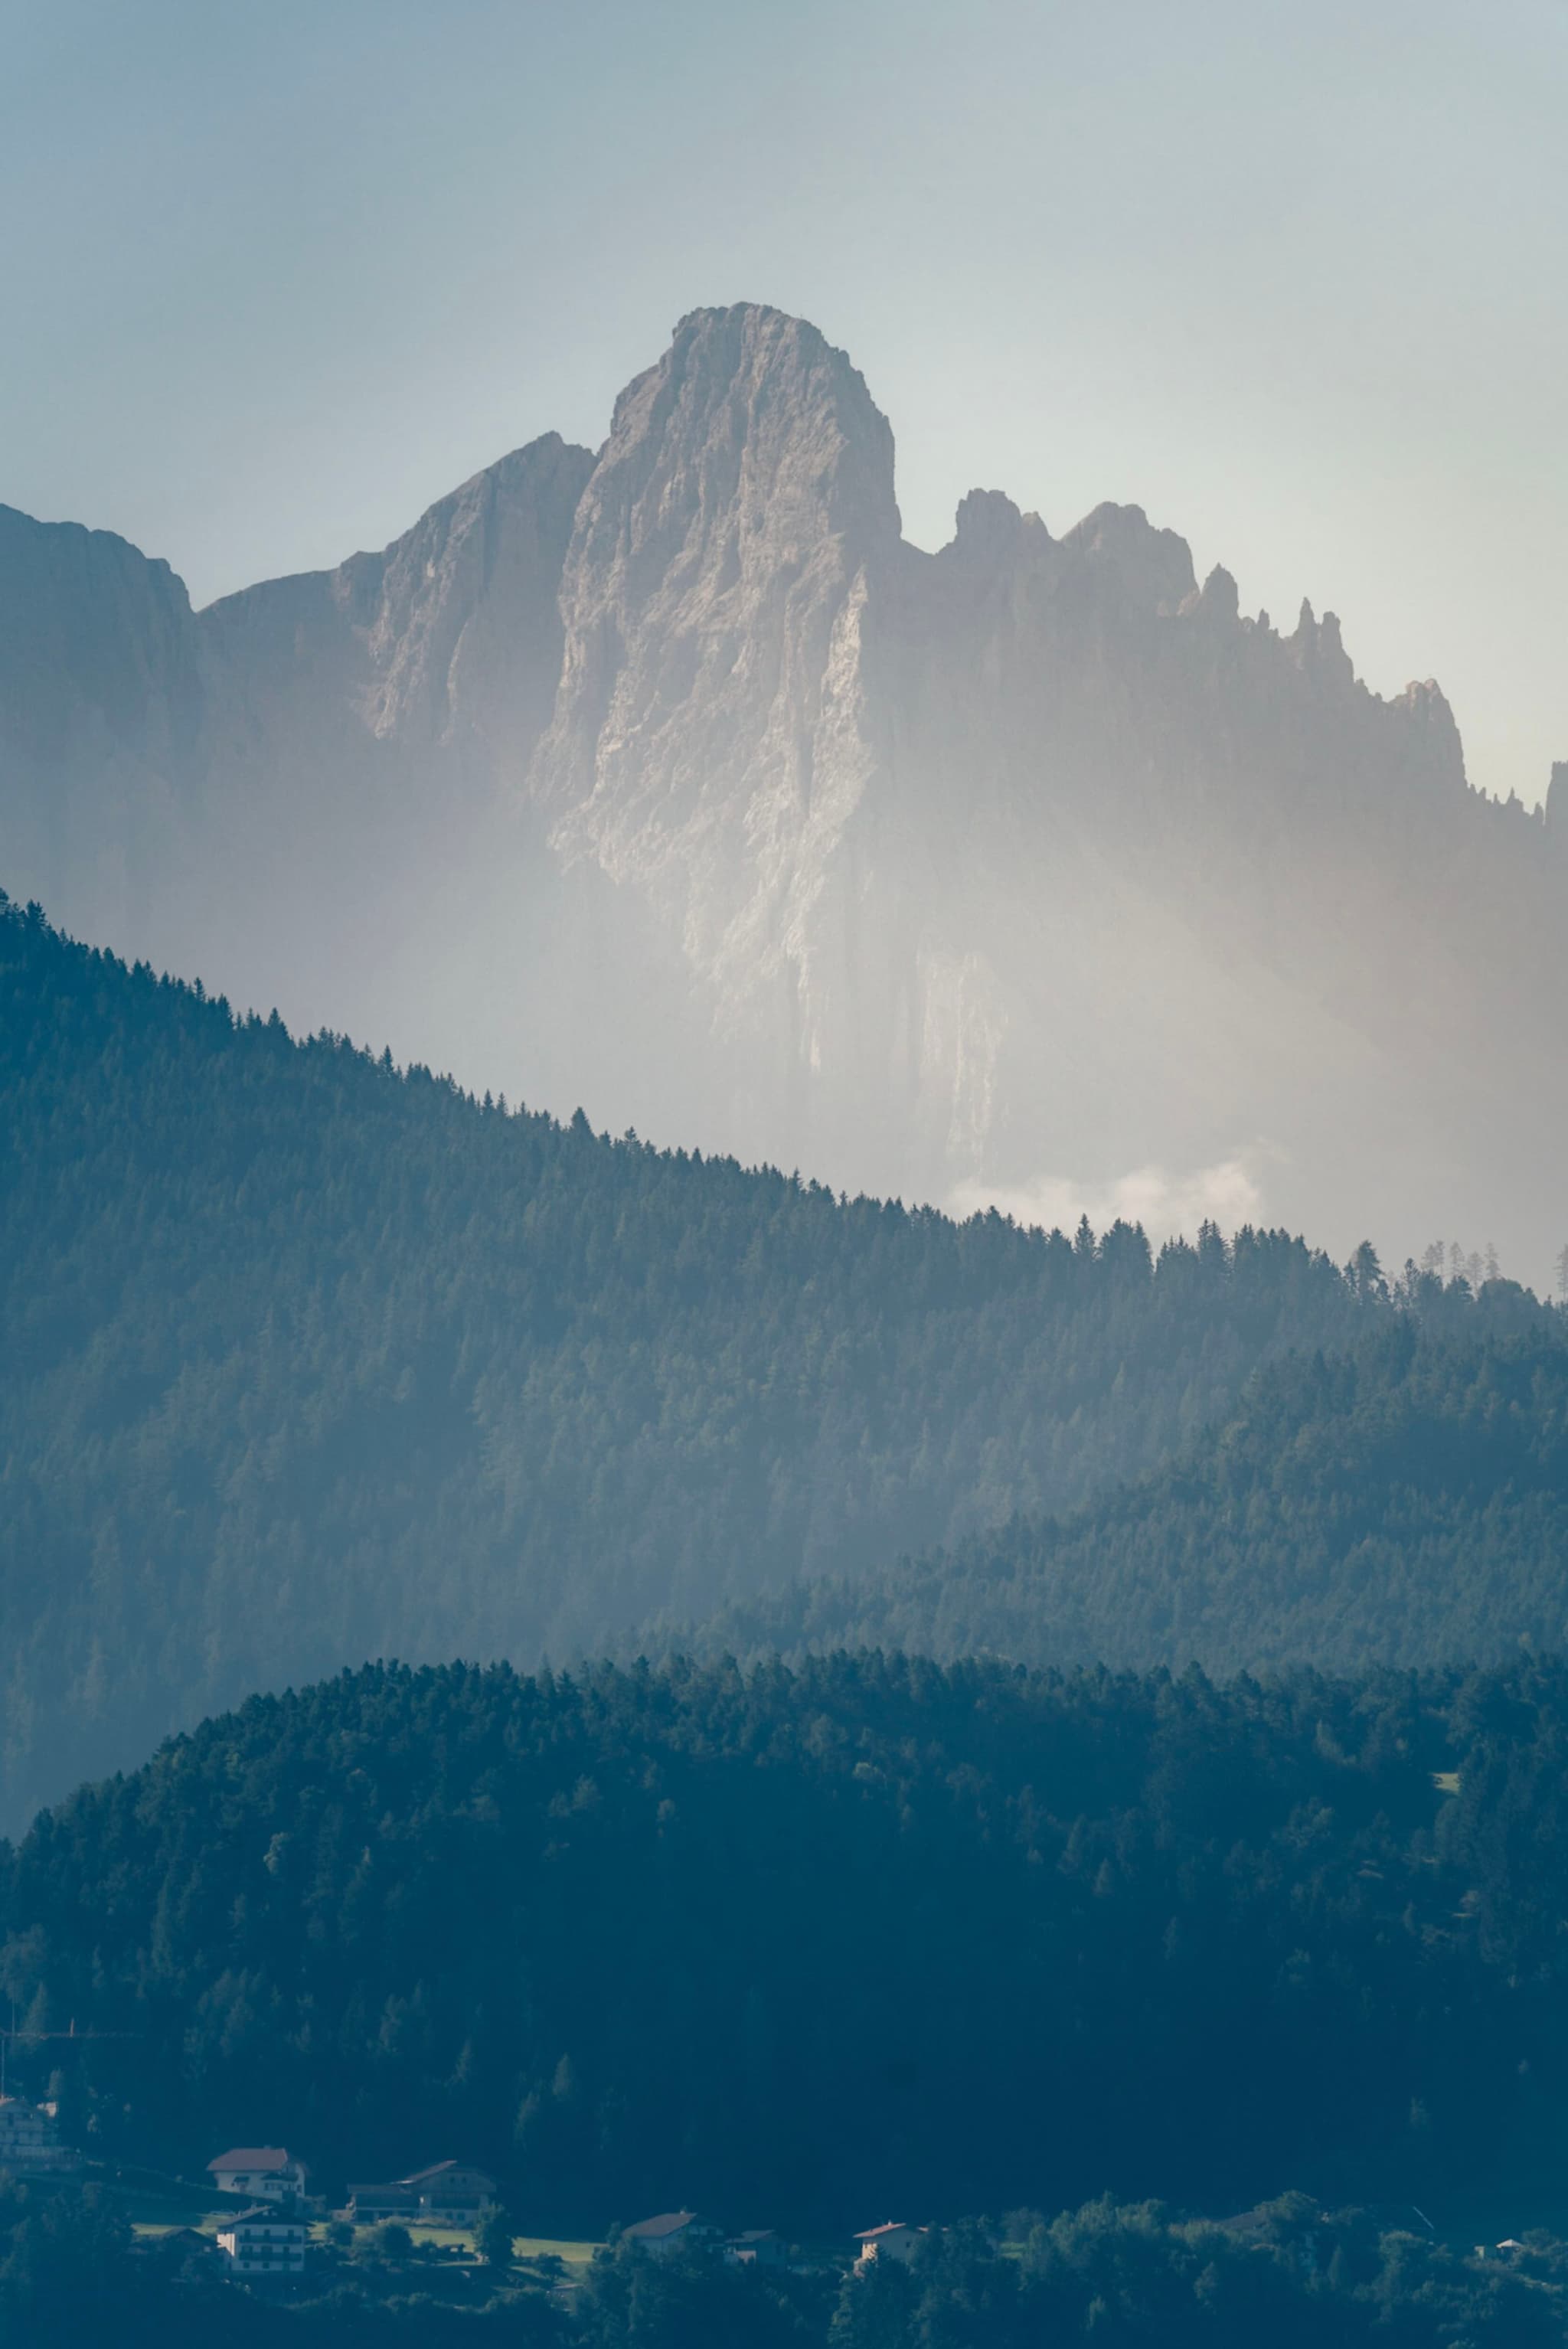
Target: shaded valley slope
308, 1359
1407, 1502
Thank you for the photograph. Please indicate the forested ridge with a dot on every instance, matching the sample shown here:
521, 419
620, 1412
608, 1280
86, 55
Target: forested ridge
307, 1359
1406, 1500
809, 1947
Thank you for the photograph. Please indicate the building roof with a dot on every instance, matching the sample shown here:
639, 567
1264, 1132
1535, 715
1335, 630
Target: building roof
254, 2157
888, 2227
668, 2223
443, 2170
756, 2235
183, 2239
267, 2210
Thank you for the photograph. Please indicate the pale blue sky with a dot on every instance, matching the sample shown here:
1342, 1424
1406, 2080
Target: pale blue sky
274, 273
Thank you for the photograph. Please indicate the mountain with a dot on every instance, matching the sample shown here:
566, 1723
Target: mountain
309, 1359
1407, 1501
301, 791
675, 781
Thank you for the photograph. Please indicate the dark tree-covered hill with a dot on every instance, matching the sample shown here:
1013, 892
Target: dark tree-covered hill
307, 1359
812, 1947
1407, 1502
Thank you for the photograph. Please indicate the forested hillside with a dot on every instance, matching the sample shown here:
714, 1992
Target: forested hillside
1406, 1501
815, 1947
308, 1359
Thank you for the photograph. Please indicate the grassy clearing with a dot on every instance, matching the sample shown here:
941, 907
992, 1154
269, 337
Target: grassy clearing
537, 2247
572, 2253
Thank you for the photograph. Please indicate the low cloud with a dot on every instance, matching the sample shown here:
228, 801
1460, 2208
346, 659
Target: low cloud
1166, 1205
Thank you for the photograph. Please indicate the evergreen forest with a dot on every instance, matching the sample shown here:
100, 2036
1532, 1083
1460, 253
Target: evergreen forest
308, 1360
1082, 1733
1407, 1499
809, 1946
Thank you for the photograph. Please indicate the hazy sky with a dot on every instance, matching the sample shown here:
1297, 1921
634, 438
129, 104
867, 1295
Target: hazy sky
276, 274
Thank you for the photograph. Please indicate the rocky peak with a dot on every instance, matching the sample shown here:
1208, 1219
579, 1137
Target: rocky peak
752, 410
720, 553
450, 636
1153, 568
100, 709
466, 615
95, 637
1433, 731
989, 528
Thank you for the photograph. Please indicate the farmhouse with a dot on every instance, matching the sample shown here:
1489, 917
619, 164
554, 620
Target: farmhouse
267, 2172
265, 2241
891, 2240
30, 2138
368, 2205
670, 2231
175, 2246
450, 2194
757, 2247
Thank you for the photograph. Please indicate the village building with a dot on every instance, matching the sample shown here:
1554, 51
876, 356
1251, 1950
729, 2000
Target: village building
450, 2194
891, 2240
369, 2205
268, 2173
670, 2231
265, 2241
176, 2245
758, 2247
30, 2140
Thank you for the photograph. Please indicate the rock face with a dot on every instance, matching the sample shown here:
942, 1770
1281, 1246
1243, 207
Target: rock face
100, 709
1032, 869
286, 793
674, 781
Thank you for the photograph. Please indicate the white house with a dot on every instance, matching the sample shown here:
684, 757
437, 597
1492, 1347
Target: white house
673, 2230
891, 2240
265, 2241
450, 2193
30, 2138
269, 2173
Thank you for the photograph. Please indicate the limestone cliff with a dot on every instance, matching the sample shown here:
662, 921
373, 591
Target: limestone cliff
291, 792
1031, 869
674, 781
100, 714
